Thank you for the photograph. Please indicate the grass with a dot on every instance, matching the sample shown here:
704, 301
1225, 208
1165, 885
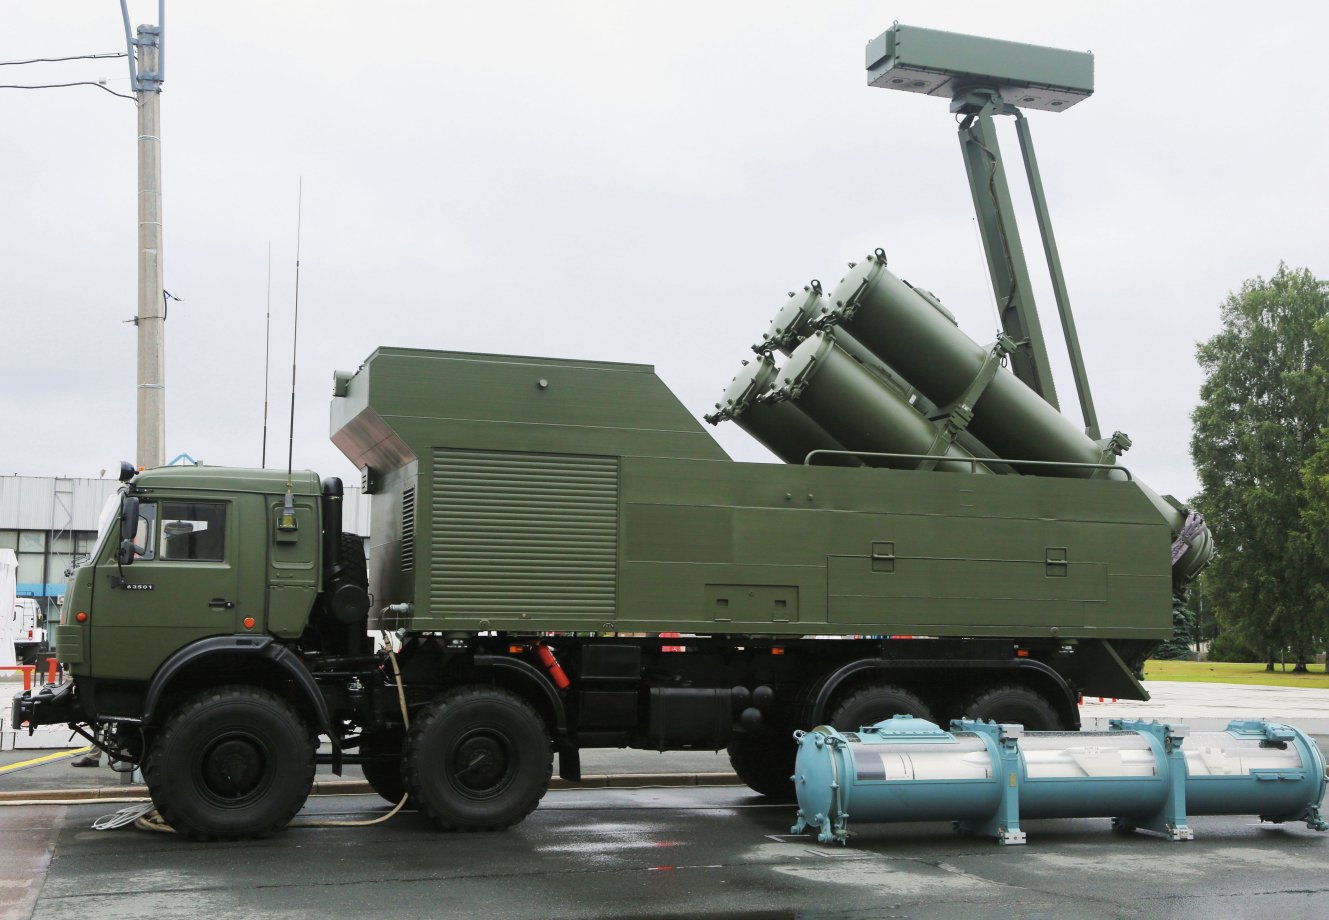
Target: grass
1228, 672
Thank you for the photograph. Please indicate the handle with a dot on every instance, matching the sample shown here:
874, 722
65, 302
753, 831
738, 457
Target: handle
221, 602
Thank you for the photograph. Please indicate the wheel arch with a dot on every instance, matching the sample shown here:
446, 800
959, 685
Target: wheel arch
1035, 675
240, 659
524, 679
528, 682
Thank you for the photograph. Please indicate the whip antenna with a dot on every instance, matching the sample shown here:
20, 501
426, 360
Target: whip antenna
287, 519
267, 360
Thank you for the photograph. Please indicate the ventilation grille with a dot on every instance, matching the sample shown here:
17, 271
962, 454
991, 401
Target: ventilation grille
408, 529
515, 534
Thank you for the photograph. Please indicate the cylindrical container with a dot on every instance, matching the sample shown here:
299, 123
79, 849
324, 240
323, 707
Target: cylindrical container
906, 768
1091, 774
801, 316
989, 777
925, 346
918, 339
858, 409
1254, 768
779, 426
795, 321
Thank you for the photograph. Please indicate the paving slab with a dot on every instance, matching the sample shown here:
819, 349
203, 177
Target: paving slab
1209, 707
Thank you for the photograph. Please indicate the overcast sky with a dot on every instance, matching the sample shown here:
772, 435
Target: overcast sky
621, 181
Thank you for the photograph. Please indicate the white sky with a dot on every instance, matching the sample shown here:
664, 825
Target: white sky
621, 181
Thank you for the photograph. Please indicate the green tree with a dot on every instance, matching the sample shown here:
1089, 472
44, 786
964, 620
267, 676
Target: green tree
1262, 406
1315, 515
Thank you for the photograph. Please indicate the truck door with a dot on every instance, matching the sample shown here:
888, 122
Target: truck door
182, 588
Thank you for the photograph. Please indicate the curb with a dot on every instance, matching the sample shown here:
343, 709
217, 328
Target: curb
360, 787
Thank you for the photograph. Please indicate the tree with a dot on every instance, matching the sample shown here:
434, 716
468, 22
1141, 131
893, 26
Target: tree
1315, 516
1262, 406
1178, 648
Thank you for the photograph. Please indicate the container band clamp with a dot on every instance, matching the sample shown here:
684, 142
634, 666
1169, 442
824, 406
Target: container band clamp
956, 417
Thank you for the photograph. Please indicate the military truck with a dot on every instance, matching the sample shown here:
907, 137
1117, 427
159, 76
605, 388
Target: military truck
546, 535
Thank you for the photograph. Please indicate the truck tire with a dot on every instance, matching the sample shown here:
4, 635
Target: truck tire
1013, 703
231, 763
353, 557
765, 762
477, 759
870, 704
384, 775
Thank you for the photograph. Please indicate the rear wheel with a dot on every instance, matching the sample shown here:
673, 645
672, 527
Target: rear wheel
478, 758
231, 763
871, 704
1013, 703
765, 762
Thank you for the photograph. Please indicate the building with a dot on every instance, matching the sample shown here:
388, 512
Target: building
50, 521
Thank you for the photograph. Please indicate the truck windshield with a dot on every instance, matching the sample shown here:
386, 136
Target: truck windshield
108, 520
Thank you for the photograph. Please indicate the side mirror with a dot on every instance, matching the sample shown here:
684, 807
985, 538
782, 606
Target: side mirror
128, 518
128, 530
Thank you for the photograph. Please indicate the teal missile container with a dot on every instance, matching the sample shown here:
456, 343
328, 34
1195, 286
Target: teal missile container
986, 777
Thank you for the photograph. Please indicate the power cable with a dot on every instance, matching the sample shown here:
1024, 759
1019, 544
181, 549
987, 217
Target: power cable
62, 85
76, 57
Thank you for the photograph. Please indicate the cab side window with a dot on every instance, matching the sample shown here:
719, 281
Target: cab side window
194, 531
145, 538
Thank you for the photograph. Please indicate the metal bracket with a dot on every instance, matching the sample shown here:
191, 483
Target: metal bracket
147, 36
1114, 446
1170, 820
960, 413
1003, 740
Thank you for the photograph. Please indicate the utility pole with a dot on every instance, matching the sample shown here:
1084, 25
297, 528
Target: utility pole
148, 50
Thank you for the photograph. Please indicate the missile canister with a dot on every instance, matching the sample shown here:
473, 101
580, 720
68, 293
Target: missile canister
783, 428
918, 338
921, 342
858, 409
987, 777
795, 321
802, 315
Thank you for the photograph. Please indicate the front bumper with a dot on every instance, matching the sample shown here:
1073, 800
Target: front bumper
46, 706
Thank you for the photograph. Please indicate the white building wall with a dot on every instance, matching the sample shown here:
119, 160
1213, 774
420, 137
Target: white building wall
29, 502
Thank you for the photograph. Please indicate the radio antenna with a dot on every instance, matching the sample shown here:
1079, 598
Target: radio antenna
267, 360
287, 519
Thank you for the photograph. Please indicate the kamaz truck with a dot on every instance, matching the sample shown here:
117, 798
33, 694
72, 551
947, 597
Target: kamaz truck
561, 557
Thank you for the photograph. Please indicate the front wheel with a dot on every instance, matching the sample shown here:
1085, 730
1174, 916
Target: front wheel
231, 763
478, 758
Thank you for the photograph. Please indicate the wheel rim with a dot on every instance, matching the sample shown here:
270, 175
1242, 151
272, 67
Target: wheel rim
483, 763
232, 770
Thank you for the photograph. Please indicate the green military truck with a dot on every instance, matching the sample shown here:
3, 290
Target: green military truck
940, 542
536, 523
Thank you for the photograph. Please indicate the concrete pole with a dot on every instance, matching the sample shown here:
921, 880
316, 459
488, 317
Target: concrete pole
151, 316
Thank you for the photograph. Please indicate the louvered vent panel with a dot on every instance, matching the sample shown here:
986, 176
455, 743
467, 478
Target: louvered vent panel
408, 529
523, 533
